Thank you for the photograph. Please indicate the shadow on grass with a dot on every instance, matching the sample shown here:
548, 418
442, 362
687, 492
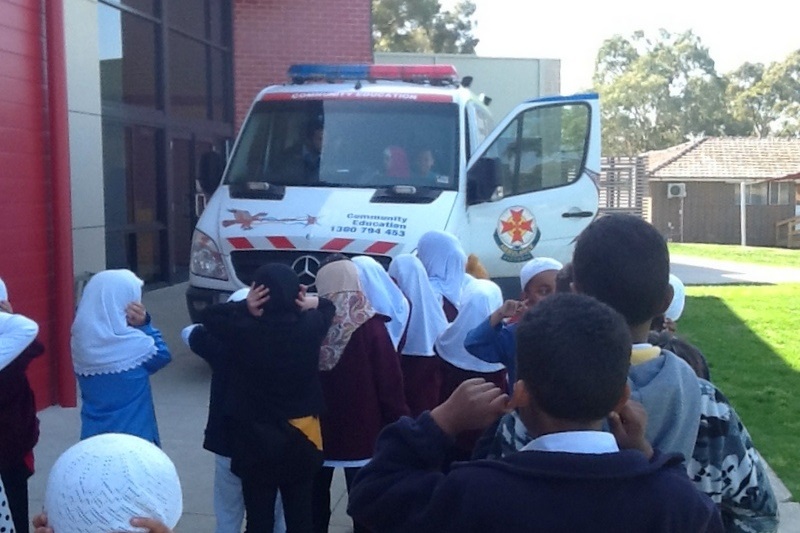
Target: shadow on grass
753, 350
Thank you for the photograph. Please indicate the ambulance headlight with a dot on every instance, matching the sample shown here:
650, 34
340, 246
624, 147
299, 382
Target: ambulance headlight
206, 260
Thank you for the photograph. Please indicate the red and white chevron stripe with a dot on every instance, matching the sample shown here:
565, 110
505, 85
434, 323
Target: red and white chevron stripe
338, 244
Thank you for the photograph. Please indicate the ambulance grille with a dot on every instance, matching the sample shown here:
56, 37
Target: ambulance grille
246, 262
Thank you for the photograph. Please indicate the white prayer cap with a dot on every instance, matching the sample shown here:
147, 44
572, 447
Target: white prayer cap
537, 266
239, 295
675, 308
100, 483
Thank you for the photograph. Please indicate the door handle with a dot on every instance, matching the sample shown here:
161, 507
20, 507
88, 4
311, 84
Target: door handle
577, 214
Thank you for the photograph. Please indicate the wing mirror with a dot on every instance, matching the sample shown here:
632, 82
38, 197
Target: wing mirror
212, 165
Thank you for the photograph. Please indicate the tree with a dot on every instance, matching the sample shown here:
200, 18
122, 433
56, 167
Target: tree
422, 26
658, 92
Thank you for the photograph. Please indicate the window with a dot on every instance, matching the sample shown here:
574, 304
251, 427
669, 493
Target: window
127, 47
134, 198
756, 194
188, 77
542, 148
349, 143
780, 193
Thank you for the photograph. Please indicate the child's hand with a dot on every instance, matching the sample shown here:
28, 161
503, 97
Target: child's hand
151, 524
5, 306
509, 309
628, 427
475, 404
40, 524
305, 302
136, 314
670, 325
257, 297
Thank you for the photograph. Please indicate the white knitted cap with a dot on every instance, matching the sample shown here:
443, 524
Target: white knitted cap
537, 266
100, 483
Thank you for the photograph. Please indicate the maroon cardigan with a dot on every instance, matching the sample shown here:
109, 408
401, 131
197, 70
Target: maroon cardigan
363, 393
19, 427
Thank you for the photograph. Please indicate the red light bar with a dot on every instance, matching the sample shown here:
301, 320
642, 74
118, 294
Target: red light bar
417, 73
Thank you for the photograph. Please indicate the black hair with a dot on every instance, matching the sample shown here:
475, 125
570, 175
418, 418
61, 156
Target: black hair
564, 279
683, 349
573, 353
316, 123
623, 261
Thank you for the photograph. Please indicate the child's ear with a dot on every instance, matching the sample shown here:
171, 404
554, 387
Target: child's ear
521, 397
626, 395
668, 295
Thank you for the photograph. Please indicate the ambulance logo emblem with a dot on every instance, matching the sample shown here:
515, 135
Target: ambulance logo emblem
516, 234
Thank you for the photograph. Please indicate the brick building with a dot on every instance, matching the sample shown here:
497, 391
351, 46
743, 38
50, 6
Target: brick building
105, 110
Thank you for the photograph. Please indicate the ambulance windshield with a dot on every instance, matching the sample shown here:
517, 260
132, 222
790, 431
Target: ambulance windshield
349, 143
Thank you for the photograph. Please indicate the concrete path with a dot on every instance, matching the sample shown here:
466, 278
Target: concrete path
181, 397
701, 271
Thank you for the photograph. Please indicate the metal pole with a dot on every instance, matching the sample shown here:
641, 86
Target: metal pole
682, 199
743, 212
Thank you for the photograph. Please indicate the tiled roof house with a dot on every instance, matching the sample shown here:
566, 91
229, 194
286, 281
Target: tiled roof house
709, 172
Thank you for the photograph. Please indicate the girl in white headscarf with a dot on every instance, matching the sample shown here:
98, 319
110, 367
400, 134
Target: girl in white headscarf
445, 262
114, 350
361, 381
480, 298
385, 297
19, 427
422, 376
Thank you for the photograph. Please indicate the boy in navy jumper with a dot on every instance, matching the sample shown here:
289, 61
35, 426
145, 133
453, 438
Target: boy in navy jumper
624, 262
573, 358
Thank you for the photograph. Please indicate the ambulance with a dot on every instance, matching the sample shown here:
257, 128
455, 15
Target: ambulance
364, 159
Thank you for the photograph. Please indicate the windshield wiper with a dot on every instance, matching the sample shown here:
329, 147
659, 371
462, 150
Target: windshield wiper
257, 190
406, 194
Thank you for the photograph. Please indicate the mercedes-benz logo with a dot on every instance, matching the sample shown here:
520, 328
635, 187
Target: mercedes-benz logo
306, 267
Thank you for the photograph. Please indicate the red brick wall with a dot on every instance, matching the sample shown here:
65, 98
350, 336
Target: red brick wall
26, 260
270, 35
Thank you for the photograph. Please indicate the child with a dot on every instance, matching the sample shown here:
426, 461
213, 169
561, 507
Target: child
228, 499
385, 297
361, 381
445, 262
103, 482
493, 340
574, 354
274, 394
422, 376
114, 350
624, 262
479, 299
19, 427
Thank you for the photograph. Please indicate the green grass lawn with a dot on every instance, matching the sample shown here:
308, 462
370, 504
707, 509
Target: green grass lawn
741, 254
751, 338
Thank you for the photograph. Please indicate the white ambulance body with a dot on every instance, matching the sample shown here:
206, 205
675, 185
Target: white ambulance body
398, 158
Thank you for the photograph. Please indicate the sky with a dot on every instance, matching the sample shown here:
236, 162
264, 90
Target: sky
735, 32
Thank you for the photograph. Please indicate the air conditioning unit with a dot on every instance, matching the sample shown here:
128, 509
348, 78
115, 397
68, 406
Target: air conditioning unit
676, 190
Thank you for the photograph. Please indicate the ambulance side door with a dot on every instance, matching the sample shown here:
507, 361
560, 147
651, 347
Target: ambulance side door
531, 184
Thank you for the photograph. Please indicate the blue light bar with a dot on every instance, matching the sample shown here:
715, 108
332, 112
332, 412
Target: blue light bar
320, 72
409, 73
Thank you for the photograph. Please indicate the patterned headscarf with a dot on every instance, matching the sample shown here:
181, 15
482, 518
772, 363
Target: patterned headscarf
338, 282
